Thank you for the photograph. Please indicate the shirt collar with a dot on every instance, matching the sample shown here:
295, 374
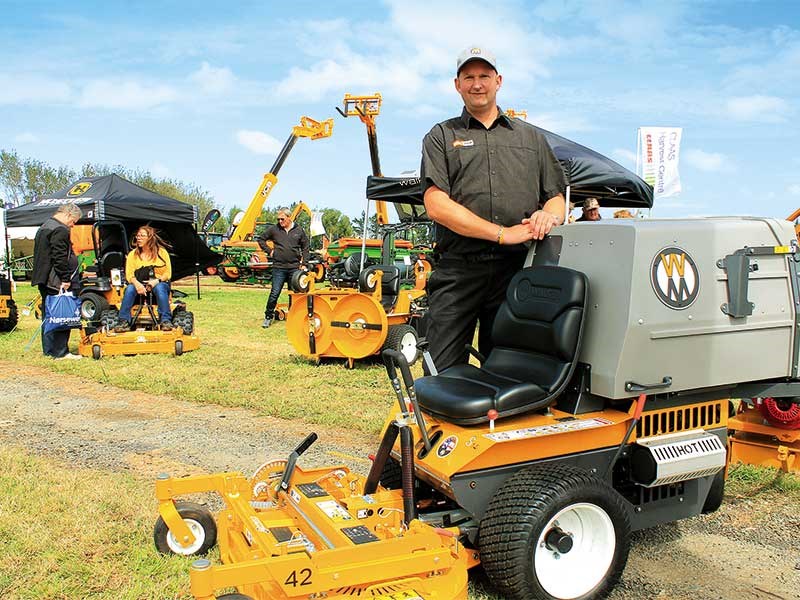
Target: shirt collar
502, 119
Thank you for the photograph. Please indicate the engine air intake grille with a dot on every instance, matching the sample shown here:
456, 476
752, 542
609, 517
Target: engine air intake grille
683, 418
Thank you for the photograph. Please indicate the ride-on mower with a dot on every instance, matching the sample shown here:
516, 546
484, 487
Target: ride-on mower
602, 409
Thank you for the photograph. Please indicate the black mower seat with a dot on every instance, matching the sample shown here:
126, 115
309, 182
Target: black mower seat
536, 338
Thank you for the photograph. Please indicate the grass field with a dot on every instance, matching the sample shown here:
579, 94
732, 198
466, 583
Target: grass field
237, 364
70, 533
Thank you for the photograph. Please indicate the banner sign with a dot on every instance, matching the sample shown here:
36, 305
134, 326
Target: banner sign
659, 151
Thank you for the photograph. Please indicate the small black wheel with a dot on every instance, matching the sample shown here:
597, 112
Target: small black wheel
300, 282
97, 351
200, 521
178, 347
92, 306
391, 475
554, 532
234, 597
368, 280
228, 274
403, 339
8, 323
715, 494
185, 320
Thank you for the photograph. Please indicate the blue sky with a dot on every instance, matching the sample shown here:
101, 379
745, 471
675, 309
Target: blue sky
207, 92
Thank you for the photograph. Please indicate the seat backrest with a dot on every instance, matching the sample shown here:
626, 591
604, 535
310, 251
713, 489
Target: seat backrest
537, 329
390, 285
111, 260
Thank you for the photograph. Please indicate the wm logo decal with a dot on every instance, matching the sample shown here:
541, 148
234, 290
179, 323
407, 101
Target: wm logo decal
674, 277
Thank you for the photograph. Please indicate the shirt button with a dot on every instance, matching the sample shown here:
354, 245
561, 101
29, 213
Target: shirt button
494, 172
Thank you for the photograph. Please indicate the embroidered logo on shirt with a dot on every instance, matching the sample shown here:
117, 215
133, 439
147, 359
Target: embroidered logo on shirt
463, 143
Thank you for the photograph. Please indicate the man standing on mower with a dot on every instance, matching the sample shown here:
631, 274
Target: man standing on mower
289, 253
55, 268
147, 267
491, 183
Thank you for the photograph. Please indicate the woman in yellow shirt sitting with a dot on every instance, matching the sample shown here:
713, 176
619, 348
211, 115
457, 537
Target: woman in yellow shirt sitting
147, 266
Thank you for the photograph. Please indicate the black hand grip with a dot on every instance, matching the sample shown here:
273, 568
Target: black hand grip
388, 361
304, 445
401, 362
632, 386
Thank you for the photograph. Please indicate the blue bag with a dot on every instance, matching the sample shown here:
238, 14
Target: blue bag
63, 312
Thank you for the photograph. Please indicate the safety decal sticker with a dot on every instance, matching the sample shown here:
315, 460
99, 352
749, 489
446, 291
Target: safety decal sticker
447, 446
404, 595
675, 278
543, 430
334, 510
79, 188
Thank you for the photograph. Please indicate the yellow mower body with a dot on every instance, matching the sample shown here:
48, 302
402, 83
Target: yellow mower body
142, 341
754, 441
344, 322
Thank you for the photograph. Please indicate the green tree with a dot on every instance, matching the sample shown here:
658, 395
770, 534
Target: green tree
373, 229
24, 179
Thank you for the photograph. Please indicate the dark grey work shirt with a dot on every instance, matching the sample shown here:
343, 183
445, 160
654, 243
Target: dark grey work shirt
502, 174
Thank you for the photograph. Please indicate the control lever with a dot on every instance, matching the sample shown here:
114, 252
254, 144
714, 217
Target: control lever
408, 381
422, 345
392, 372
290, 464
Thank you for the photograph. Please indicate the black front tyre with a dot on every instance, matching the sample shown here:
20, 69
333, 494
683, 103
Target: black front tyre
8, 323
403, 339
200, 521
184, 320
109, 318
300, 282
555, 532
234, 597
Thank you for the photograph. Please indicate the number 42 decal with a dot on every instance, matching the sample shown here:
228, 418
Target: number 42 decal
304, 578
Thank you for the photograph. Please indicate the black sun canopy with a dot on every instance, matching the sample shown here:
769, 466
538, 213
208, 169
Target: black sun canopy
113, 198
588, 173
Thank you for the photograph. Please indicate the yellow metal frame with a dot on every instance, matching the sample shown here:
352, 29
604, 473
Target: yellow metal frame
108, 343
308, 128
752, 441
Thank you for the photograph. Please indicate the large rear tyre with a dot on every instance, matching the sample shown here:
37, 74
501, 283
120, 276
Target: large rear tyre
92, 306
200, 521
554, 532
715, 494
403, 339
8, 323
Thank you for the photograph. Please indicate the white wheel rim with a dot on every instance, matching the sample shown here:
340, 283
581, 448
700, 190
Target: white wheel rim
579, 571
408, 346
88, 309
199, 538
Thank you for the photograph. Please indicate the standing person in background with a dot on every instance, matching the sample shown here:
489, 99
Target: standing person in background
289, 253
147, 267
55, 269
491, 183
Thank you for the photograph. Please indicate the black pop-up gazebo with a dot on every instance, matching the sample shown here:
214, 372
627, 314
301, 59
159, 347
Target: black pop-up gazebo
588, 173
113, 198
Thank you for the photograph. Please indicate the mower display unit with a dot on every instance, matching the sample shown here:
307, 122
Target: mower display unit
102, 288
603, 409
364, 310
8, 308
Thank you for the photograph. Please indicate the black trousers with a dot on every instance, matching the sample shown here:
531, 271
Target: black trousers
462, 294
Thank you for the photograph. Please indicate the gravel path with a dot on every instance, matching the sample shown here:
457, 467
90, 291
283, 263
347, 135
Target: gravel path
749, 549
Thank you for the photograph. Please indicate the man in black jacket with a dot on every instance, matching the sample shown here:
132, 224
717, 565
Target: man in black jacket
55, 268
289, 253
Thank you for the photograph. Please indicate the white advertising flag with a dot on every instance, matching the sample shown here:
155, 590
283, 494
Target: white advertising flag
317, 228
659, 151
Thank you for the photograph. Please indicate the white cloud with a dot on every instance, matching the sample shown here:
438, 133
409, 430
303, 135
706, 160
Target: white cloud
22, 89
258, 142
705, 161
794, 189
213, 80
623, 155
160, 170
765, 109
125, 95
26, 138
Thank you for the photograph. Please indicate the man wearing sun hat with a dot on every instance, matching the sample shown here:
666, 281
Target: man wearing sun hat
492, 184
591, 210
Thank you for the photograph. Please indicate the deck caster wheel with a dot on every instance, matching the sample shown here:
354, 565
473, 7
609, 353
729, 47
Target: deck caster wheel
234, 597
178, 347
97, 351
403, 339
300, 282
554, 532
200, 521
